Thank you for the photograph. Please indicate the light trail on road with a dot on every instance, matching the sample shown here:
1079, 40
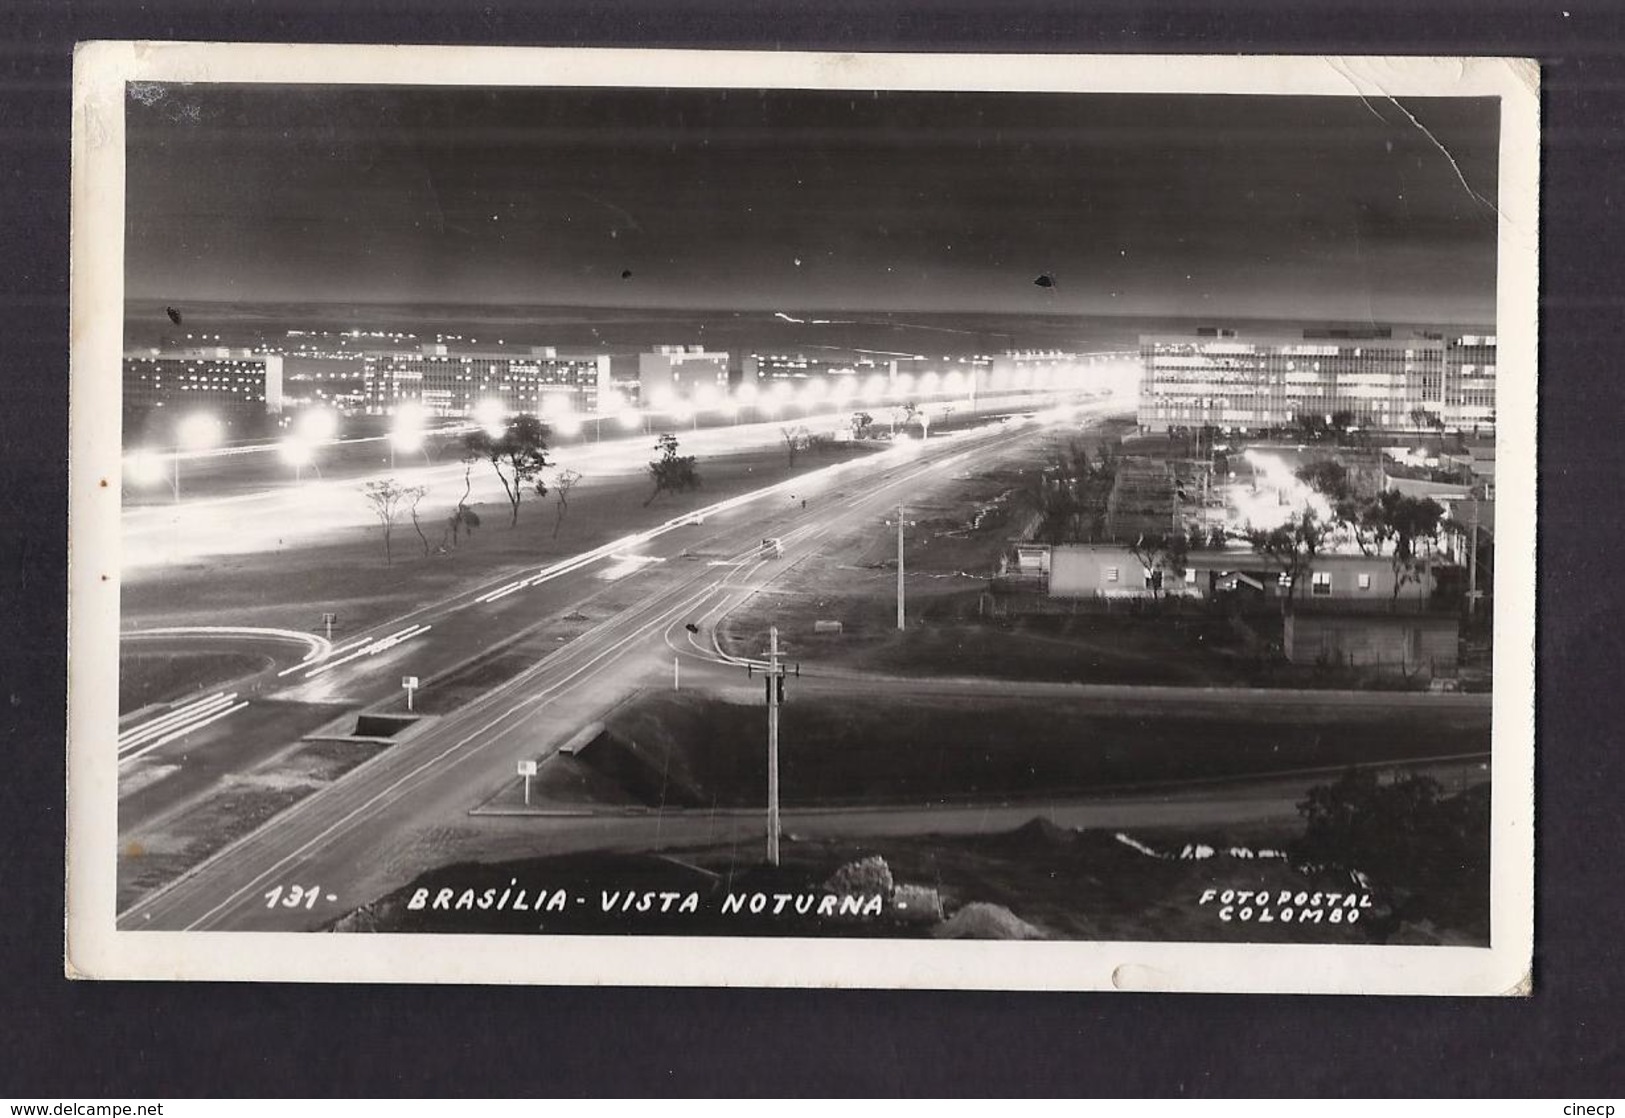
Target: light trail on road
370, 648
318, 647
601, 662
284, 515
143, 739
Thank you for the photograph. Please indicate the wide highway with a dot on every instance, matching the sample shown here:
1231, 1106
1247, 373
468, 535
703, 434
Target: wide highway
363, 832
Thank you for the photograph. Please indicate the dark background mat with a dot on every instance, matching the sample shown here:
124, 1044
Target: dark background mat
80, 1040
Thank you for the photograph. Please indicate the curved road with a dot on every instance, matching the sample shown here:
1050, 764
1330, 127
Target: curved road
409, 808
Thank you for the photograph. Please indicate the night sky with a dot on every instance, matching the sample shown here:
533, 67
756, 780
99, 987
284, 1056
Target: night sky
1302, 207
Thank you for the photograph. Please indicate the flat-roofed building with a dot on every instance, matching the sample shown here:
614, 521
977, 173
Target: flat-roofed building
228, 383
1262, 381
540, 382
680, 372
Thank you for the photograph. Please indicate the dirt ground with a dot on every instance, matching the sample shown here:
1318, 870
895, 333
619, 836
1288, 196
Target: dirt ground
162, 851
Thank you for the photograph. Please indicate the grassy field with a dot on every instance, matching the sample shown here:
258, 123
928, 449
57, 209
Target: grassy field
148, 675
685, 749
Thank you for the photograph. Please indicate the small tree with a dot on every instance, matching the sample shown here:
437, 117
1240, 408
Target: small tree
386, 498
413, 496
1292, 547
1328, 477
1310, 427
518, 455
1332, 480
796, 439
463, 518
672, 472
1409, 523
563, 482
1161, 553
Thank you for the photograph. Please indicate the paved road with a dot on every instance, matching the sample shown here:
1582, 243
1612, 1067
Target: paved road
171, 756
256, 506
349, 837
409, 808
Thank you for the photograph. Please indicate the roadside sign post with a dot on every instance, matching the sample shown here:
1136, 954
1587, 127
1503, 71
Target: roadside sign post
527, 769
676, 672
410, 682
327, 623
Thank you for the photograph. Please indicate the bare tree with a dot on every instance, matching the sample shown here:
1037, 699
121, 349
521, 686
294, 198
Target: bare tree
563, 482
386, 498
796, 439
415, 494
463, 518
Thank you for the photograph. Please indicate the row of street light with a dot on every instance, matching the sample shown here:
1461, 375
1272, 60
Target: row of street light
197, 432
318, 427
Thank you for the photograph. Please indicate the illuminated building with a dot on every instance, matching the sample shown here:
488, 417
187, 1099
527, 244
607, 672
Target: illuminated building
675, 372
226, 382
1258, 381
456, 384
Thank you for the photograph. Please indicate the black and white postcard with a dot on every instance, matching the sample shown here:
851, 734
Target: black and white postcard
729, 518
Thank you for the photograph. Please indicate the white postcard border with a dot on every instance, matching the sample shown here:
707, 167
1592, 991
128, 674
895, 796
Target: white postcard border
97, 949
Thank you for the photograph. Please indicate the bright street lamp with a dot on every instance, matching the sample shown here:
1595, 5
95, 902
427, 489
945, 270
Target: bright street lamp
297, 453
492, 416
145, 467
318, 425
198, 431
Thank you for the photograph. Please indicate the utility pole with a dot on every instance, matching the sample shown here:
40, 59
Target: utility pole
775, 682
1472, 566
900, 616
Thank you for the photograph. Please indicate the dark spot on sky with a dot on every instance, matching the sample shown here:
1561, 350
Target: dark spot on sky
174, 315
1277, 207
1045, 280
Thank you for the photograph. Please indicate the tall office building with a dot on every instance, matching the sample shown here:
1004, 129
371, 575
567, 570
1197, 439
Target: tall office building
677, 372
227, 383
1258, 381
455, 384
